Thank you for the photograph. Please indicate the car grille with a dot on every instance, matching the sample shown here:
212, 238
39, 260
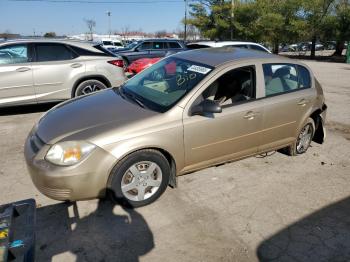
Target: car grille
36, 143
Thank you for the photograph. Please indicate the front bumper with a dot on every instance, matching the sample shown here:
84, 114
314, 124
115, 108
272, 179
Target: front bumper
85, 180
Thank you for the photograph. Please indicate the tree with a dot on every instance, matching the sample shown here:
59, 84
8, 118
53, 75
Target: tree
50, 34
212, 18
278, 21
336, 26
91, 24
314, 13
160, 33
125, 30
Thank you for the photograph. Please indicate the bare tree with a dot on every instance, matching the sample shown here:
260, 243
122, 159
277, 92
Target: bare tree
91, 24
160, 34
125, 30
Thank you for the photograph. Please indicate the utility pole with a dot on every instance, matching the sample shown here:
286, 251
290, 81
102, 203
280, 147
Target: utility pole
232, 15
185, 34
109, 23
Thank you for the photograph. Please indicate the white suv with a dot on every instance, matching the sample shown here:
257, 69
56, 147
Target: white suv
36, 71
238, 44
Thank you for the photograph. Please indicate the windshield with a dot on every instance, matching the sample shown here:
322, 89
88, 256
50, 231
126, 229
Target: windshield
162, 85
131, 45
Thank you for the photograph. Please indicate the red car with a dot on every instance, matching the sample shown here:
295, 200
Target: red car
141, 64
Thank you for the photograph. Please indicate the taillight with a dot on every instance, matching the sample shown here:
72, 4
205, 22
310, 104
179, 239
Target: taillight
119, 62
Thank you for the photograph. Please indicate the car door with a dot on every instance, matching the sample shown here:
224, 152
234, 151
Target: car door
231, 134
55, 64
288, 100
16, 76
142, 51
159, 49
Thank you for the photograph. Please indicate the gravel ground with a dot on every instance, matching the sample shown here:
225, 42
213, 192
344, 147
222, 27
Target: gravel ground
262, 208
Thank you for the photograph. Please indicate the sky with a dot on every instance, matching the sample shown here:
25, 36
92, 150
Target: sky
67, 16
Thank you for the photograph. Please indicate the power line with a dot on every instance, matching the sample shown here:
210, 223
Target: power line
100, 2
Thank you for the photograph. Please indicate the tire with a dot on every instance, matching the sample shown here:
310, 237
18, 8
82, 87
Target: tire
134, 174
295, 148
89, 86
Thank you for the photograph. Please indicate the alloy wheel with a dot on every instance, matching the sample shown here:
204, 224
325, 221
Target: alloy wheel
141, 181
304, 138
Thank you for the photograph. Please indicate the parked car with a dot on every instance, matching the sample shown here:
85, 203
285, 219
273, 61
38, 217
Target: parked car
189, 111
112, 45
238, 44
36, 71
150, 48
141, 64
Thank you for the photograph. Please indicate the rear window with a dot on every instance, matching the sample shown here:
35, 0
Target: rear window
107, 43
104, 51
53, 52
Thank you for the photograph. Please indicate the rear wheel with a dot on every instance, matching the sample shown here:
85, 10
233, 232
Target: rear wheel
89, 86
304, 139
140, 178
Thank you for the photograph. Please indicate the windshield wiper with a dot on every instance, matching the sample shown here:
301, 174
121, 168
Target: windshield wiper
131, 97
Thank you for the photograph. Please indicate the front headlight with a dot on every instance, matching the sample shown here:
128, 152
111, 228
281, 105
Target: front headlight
69, 153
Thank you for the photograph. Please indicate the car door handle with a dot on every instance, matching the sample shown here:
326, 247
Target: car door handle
23, 69
76, 65
250, 115
303, 102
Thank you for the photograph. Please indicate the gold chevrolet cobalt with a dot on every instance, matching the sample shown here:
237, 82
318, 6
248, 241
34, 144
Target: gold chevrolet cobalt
189, 111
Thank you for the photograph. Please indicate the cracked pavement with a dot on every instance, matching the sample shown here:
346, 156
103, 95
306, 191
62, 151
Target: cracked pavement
274, 208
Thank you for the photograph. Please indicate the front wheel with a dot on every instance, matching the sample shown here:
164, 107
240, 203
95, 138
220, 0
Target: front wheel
304, 139
140, 178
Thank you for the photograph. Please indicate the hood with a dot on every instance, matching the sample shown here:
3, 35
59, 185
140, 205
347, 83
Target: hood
93, 112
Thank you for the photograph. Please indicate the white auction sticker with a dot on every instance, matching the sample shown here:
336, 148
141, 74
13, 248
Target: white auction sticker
199, 69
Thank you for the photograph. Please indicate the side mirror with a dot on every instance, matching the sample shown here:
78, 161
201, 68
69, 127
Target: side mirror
206, 107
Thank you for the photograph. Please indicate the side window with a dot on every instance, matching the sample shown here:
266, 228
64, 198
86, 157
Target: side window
145, 46
304, 77
158, 45
53, 52
174, 45
240, 46
13, 54
235, 86
280, 78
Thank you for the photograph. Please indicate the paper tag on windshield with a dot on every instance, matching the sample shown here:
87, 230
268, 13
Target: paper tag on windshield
199, 69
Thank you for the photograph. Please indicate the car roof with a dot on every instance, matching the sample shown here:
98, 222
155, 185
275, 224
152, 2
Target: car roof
78, 43
222, 43
161, 39
220, 55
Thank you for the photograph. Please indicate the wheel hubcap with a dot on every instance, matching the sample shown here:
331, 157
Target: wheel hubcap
304, 139
141, 181
90, 89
